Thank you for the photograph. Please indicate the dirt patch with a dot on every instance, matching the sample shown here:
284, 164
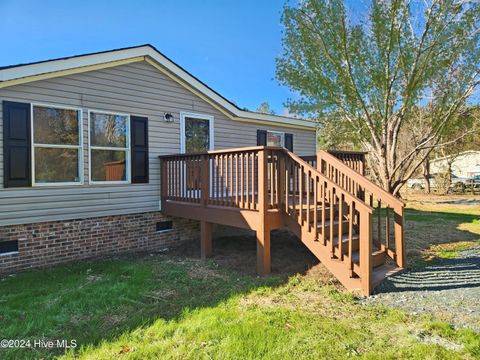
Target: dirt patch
239, 253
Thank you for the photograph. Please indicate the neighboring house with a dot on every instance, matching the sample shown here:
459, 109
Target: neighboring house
79, 166
463, 165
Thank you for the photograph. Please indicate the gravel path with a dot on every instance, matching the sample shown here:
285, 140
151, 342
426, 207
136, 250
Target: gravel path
448, 289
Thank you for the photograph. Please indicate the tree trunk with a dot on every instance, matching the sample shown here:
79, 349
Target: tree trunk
426, 175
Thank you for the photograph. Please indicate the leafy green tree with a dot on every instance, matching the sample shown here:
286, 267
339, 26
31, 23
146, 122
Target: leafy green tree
265, 108
372, 76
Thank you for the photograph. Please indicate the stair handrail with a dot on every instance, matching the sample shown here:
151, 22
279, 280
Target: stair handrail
331, 183
361, 180
382, 195
365, 226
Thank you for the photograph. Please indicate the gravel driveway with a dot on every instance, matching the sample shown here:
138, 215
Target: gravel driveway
448, 289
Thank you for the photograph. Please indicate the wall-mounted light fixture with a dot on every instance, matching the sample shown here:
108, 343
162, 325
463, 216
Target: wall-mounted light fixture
168, 117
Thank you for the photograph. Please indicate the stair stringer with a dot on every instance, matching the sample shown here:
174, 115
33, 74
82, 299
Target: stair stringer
322, 252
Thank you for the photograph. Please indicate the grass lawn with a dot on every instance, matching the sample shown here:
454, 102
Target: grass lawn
171, 306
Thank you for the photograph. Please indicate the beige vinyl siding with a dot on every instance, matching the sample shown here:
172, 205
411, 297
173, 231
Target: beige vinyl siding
137, 89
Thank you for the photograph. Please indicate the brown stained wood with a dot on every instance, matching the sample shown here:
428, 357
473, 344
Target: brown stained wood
307, 179
236, 180
331, 202
247, 181
205, 180
265, 188
300, 190
315, 202
264, 265
350, 235
205, 239
379, 222
366, 264
242, 189
387, 228
230, 186
253, 206
340, 225
163, 183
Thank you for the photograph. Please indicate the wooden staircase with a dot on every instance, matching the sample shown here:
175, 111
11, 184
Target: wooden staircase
351, 225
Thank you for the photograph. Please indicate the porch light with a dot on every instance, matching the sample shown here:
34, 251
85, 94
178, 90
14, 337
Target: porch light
168, 117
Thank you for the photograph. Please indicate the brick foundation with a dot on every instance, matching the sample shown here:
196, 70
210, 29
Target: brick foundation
49, 243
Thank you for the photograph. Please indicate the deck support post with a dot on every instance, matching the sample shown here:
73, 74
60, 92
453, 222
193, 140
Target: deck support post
366, 261
263, 228
399, 237
205, 239
264, 264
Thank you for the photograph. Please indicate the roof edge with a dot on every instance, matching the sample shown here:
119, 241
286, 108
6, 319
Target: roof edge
25, 71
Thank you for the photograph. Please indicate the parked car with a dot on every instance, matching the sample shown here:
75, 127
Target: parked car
473, 180
420, 183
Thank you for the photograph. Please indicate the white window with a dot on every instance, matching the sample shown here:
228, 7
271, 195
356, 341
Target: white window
275, 138
196, 132
109, 150
56, 145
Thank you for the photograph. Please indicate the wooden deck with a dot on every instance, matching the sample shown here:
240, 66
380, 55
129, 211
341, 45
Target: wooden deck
349, 223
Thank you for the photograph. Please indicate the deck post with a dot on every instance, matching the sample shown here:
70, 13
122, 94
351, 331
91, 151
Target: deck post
262, 228
264, 265
366, 243
205, 239
163, 184
205, 180
399, 237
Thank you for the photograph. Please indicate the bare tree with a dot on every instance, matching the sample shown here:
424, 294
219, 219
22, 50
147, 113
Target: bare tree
378, 74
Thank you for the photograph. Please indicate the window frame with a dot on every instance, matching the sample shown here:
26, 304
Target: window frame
79, 147
282, 135
211, 131
127, 149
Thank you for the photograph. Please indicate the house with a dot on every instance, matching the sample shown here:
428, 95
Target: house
124, 150
79, 168
464, 165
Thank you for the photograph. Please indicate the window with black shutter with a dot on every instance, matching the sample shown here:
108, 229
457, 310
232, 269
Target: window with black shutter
261, 138
289, 142
275, 138
16, 144
139, 149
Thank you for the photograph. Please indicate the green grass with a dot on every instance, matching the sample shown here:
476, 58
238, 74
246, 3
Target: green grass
434, 232
169, 307
162, 307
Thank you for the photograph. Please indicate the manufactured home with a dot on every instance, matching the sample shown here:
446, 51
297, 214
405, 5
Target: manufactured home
125, 150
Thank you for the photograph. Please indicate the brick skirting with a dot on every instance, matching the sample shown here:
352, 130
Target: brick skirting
48, 243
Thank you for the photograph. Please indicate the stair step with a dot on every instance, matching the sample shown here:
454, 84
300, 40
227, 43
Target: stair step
382, 272
345, 240
335, 225
378, 258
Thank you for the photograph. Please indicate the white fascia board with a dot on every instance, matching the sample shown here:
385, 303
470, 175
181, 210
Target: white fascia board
118, 55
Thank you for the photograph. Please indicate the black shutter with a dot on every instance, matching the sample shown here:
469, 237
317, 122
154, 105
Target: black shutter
16, 144
139, 145
289, 142
261, 138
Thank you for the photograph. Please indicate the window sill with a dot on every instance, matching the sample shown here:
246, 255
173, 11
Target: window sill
11, 253
164, 231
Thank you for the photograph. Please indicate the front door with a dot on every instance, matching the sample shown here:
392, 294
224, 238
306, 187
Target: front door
196, 133
196, 137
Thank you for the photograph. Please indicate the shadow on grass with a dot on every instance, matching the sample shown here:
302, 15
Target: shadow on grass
431, 235
434, 243
446, 274
98, 300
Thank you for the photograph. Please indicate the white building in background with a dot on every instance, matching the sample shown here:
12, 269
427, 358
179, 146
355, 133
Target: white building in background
466, 164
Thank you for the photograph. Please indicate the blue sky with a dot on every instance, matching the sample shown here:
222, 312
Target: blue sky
231, 45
